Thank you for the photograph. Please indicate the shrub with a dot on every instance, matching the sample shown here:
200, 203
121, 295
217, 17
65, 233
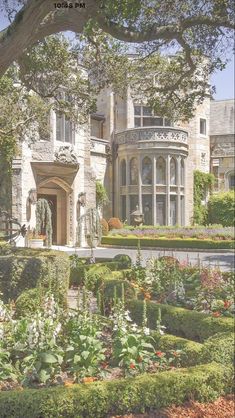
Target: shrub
26, 268
4, 248
102, 399
219, 348
221, 208
28, 302
124, 260
110, 285
193, 325
78, 273
167, 243
104, 226
191, 350
115, 223
95, 276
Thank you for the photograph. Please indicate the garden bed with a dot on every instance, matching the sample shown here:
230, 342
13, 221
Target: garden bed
124, 356
182, 243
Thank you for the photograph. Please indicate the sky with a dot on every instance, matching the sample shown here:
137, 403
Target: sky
223, 80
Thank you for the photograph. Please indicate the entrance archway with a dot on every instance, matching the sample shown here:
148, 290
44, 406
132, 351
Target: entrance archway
56, 191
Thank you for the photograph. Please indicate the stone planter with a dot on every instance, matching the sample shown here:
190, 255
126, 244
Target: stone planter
36, 243
92, 243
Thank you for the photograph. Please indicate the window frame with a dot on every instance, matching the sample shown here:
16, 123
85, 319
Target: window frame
203, 120
141, 117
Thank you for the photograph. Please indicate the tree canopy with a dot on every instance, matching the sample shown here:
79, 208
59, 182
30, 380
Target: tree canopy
164, 51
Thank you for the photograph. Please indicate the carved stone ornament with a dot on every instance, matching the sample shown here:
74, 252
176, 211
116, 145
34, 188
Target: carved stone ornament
66, 155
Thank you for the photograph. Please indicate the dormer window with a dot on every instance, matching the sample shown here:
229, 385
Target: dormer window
145, 116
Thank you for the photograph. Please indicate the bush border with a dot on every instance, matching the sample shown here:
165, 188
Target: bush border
169, 243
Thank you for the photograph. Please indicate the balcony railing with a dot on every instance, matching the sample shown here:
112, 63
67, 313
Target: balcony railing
162, 134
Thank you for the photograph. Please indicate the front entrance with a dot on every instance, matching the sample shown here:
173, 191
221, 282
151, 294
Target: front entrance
52, 201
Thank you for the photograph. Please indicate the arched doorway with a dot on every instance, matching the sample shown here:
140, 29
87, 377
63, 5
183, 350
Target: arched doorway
56, 191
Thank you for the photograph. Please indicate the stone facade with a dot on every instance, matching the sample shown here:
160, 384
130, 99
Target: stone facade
141, 159
222, 144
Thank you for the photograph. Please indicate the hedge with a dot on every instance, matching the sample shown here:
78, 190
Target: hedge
221, 208
191, 350
193, 325
27, 268
168, 243
101, 399
77, 274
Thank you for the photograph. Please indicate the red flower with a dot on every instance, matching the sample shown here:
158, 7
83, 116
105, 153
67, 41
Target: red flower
159, 354
132, 366
216, 314
104, 365
227, 303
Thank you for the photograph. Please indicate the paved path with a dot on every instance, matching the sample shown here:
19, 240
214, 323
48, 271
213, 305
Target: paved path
223, 259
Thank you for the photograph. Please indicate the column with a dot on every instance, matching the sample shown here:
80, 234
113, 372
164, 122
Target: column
140, 183
127, 190
168, 190
154, 203
178, 206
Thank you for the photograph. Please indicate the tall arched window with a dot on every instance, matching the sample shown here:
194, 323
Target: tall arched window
123, 173
147, 171
172, 171
161, 171
134, 171
182, 172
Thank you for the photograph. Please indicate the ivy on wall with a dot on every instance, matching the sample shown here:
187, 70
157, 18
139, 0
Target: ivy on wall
203, 183
101, 195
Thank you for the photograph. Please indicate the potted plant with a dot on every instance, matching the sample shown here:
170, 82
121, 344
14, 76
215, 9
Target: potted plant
35, 240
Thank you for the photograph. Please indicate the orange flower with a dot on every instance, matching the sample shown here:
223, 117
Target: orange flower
132, 366
216, 314
159, 354
175, 354
147, 295
68, 384
88, 379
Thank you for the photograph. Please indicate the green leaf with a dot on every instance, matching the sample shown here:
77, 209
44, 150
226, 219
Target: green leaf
48, 358
85, 354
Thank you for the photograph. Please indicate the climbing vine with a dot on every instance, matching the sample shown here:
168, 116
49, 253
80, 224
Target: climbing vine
203, 183
43, 220
101, 195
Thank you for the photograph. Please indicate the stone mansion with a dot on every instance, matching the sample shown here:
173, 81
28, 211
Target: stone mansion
141, 159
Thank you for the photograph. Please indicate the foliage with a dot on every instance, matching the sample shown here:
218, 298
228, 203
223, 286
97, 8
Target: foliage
28, 268
221, 208
28, 302
215, 232
100, 399
104, 226
124, 259
193, 325
101, 195
168, 243
95, 275
43, 220
115, 223
219, 348
203, 183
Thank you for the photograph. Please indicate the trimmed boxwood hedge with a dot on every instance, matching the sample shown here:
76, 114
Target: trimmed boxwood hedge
191, 350
168, 243
77, 274
101, 399
193, 325
28, 268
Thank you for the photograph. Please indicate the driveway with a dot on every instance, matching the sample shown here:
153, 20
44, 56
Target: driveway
224, 260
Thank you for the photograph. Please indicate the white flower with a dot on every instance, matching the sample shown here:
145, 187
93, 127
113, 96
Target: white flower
146, 331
